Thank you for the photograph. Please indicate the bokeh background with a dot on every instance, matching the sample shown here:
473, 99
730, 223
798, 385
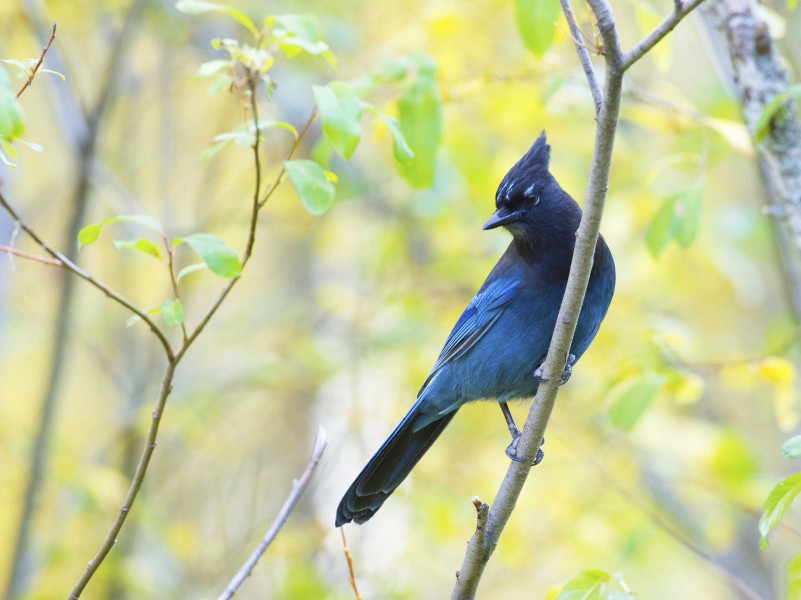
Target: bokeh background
661, 449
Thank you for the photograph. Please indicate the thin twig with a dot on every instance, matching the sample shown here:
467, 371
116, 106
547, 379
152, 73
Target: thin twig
173, 281
682, 9
29, 256
349, 559
295, 146
584, 55
71, 266
251, 237
39, 63
298, 486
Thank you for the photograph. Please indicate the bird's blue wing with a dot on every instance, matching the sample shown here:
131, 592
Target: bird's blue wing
482, 312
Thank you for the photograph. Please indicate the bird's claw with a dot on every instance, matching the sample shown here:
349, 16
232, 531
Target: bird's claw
511, 451
566, 373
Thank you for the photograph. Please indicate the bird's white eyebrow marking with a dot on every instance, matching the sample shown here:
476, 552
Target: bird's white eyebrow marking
529, 193
508, 187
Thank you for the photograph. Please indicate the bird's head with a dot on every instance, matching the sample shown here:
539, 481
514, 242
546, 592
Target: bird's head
522, 190
531, 204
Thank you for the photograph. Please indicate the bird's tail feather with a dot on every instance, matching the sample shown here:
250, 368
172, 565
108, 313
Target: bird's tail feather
389, 467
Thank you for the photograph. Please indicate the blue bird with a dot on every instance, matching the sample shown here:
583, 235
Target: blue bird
498, 345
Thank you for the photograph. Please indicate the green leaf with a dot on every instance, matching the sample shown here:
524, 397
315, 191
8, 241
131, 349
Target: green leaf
341, 113
90, 233
688, 209
189, 269
591, 584
12, 119
297, 33
400, 147
218, 257
140, 244
316, 192
792, 447
627, 408
420, 112
662, 228
779, 500
172, 311
536, 21
212, 68
197, 7
794, 578
762, 127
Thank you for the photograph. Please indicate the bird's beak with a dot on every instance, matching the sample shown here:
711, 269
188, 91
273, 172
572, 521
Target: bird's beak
502, 216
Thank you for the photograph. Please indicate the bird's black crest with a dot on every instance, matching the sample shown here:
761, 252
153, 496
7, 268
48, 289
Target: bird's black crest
528, 169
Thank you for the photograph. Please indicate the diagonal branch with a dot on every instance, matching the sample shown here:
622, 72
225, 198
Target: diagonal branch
75, 269
660, 31
298, 487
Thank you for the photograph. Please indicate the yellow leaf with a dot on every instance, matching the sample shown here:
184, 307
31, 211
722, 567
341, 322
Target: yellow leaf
776, 370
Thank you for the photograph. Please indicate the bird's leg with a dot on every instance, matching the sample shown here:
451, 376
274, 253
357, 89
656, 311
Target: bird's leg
511, 450
566, 373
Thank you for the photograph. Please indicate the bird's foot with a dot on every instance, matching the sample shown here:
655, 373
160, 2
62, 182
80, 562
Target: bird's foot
511, 451
566, 373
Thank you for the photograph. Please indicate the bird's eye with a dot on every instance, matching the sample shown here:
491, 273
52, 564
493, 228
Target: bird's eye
536, 201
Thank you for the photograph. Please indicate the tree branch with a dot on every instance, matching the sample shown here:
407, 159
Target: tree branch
584, 55
298, 486
652, 39
483, 543
76, 270
136, 483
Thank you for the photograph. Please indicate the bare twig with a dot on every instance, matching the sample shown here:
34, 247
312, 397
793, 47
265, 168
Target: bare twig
349, 559
298, 486
584, 56
29, 256
39, 63
682, 9
483, 543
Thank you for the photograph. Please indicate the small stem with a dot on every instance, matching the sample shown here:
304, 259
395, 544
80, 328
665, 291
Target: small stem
29, 256
349, 559
171, 268
295, 146
298, 486
39, 63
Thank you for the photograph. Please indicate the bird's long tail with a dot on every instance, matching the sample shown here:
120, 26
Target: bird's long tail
389, 467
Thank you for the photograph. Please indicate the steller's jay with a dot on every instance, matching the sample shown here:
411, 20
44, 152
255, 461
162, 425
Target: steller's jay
498, 345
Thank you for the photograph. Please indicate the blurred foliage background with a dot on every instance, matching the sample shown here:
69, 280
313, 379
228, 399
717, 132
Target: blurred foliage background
662, 447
